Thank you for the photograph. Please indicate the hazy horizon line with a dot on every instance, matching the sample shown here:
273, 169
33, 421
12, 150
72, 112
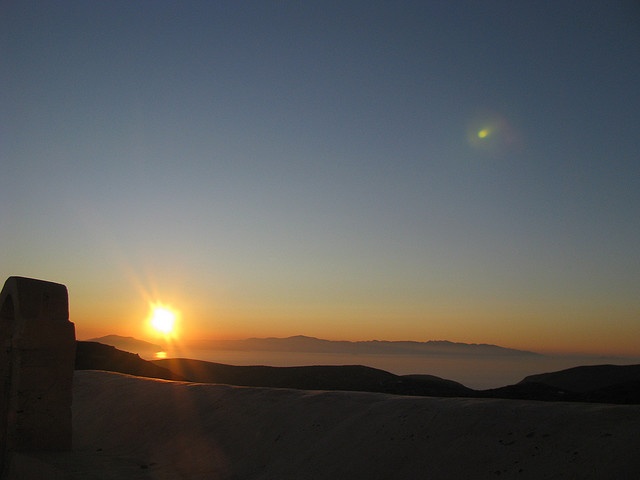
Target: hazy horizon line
203, 345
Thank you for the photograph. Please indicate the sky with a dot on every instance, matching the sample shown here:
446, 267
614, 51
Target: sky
350, 170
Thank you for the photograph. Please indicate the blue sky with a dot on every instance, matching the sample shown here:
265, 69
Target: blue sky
352, 170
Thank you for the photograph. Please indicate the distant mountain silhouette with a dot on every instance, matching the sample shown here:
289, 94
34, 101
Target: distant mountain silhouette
600, 383
96, 356
301, 343
128, 344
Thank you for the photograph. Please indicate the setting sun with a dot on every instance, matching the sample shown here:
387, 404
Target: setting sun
163, 320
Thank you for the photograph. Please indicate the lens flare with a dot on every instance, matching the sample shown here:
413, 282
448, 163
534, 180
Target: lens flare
493, 134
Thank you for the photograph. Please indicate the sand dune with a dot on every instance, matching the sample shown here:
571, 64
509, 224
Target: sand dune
140, 428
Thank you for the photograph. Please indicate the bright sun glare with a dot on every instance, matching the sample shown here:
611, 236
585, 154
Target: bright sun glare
163, 320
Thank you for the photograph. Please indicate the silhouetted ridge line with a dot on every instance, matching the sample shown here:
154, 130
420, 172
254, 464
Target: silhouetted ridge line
301, 343
97, 356
317, 377
587, 378
128, 344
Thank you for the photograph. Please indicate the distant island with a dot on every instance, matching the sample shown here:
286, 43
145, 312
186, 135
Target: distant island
306, 344
128, 344
301, 343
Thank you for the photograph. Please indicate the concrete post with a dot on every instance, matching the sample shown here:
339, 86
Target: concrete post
37, 354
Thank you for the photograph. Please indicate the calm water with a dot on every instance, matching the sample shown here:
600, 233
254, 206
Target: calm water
474, 372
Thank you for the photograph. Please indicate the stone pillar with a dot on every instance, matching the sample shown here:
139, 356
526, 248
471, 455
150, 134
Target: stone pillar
37, 355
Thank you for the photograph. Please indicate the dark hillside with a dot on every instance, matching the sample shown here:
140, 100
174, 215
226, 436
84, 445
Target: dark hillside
602, 383
96, 356
587, 378
346, 377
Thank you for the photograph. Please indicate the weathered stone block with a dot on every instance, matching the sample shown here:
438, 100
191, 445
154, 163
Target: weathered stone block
37, 354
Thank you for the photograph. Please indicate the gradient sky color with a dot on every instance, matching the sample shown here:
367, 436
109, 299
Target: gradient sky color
464, 170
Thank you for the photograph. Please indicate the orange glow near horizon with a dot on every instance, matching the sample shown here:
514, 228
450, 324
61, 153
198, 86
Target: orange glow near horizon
551, 329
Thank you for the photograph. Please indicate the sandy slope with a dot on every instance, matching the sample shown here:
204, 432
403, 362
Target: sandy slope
130, 427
